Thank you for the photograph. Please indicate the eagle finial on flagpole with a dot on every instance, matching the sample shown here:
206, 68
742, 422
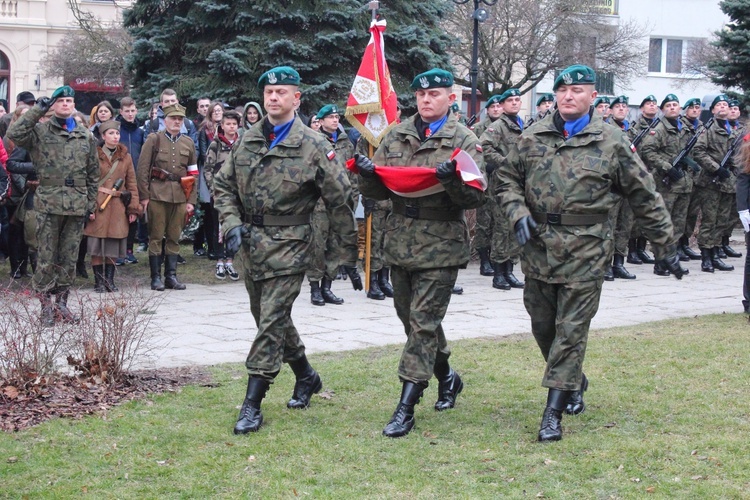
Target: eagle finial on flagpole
374, 5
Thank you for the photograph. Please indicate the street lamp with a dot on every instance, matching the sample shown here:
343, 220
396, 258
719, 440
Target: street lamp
479, 15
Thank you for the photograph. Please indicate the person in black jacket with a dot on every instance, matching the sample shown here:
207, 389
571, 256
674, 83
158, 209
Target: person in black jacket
743, 208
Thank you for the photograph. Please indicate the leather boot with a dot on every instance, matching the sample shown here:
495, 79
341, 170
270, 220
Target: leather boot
315, 297
47, 317
645, 257
499, 281
457, 290
660, 269
681, 254
619, 270
485, 266
385, 285
250, 418
720, 253
109, 278
685, 245
308, 383
551, 428
328, 295
706, 264
450, 386
81, 262
154, 262
375, 292
576, 406
608, 275
731, 252
402, 421
61, 308
99, 279
718, 263
170, 274
33, 261
633, 252
510, 277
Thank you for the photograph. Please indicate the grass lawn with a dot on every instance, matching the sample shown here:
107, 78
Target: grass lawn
667, 415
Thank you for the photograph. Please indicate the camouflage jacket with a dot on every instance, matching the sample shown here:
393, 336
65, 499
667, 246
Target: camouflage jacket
284, 181
497, 139
585, 175
345, 151
217, 153
480, 127
66, 163
173, 157
635, 129
659, 148
420, 243
710, 149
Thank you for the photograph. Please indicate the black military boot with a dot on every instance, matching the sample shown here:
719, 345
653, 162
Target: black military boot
720, 253
402, 421
706, 263
61, 308
510, 277
328, 295
385, 285
81, 262
457, 290
154, 262
685, 245
170, 274
660, 269
450, 386
47, 317
718, 263
99, 279
109, 278
499, 280
308, 383
731, 252
250, 418
551, 428
681, 254
619, 270
608, 274
375, 292
315, 297
576, 406
633, 252
485, 266
645, 257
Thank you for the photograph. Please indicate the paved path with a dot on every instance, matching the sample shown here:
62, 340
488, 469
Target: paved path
212, 324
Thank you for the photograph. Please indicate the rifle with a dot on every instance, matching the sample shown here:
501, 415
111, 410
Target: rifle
728, 156
643, 133
688, 147
471, 121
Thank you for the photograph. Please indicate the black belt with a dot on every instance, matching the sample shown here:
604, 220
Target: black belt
569, 219
427, 213
167, 177
64, 182
276, 220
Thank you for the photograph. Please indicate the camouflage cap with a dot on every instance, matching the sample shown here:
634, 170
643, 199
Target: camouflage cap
174, 110
434, 78
281, 75
601, 100
669, 98
328, 109
495, 99
109, 125
620, 99
692, 102
719, 98
509, 93
578, 74
545, 98
64, 91
648, 98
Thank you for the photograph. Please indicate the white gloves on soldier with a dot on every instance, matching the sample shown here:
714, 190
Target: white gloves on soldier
745, 219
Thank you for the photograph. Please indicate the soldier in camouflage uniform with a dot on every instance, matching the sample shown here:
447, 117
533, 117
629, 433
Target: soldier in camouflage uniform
558, 187
325, 253
729, 222
427, 239
659, 148
496, 142
543, 104
265, 194
716, 186
64, 154
691, 120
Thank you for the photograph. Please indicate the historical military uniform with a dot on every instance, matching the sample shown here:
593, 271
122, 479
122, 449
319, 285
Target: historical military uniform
65, 157
164, 161
426, 243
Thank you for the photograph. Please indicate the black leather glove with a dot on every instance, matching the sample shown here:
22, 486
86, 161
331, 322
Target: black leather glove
369, 205
673, 264
233, 239
365, 166
525, 228
44, 103
692, 165
675, 174
722, 173
446, 170
126, 197
353, 274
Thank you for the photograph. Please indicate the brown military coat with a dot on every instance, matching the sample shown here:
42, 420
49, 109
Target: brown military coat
174, 157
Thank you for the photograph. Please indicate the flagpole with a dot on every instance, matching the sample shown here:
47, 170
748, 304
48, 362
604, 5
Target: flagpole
374, 5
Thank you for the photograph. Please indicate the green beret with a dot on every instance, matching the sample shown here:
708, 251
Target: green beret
577, 74
281, 75
692, 102
109, 124
455, 108
669, 98
174, 110
509, 93
734, 103
494, 99
545, 98
719, 98
649, 98
601, 100
620, 99
431, 79
64, 91
328, 109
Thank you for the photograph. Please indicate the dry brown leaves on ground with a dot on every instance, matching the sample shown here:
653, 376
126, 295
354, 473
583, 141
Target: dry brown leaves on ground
75, 397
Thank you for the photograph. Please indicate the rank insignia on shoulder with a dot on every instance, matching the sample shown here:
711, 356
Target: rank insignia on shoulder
331, 154
479, 148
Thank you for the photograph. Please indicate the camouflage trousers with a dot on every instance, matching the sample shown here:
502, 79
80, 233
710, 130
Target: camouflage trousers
677, 206
730, 219
277, 340
694, 208
165, 220
58, 237
715, 207
560, 318
484, 225
421, 299
324, 260
621, 219
504, 244
29, 230
379, 214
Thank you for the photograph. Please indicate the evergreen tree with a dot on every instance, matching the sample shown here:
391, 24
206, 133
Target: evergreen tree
220, 48
733, 69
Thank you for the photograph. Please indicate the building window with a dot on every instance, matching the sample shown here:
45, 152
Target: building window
665, 55
4, 78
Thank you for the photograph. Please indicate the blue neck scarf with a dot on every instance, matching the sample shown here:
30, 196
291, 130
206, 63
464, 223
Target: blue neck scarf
572, 128
435, 126
728, 127
280, 132
696, 124
518, 121
335, 136
625, 125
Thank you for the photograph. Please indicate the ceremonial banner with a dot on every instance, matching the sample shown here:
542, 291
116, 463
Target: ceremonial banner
372, 104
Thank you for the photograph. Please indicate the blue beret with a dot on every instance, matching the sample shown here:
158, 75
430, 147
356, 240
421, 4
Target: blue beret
578, 74
433, 78
281, 75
